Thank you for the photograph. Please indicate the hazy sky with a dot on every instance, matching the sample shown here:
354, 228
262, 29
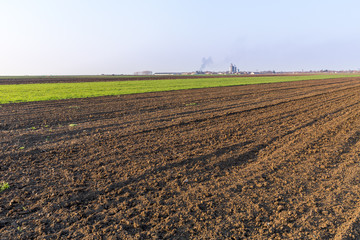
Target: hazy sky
40, 37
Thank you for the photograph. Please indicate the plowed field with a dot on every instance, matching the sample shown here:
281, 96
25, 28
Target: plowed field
268, 161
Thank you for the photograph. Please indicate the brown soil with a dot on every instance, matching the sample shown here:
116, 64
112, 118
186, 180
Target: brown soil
270, 161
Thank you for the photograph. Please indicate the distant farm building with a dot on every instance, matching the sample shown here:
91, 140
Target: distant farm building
143, 73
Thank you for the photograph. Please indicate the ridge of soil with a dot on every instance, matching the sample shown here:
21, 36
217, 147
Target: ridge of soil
268, 161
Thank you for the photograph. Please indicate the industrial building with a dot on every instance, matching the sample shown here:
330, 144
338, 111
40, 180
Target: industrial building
233, 69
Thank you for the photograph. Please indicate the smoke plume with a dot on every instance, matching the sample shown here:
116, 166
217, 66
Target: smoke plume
205, 63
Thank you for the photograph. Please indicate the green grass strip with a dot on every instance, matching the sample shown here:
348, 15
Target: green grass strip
56, 91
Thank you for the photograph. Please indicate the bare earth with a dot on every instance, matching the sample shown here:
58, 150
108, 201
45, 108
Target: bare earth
270, 161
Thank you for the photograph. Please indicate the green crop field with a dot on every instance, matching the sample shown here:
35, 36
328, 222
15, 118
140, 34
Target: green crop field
56, 91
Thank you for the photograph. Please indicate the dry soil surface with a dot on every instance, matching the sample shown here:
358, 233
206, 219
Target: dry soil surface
269, 161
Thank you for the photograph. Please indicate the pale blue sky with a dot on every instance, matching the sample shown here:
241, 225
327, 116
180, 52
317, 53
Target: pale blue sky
112, 37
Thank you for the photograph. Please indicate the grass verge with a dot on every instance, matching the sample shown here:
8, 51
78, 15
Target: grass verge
57, 91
